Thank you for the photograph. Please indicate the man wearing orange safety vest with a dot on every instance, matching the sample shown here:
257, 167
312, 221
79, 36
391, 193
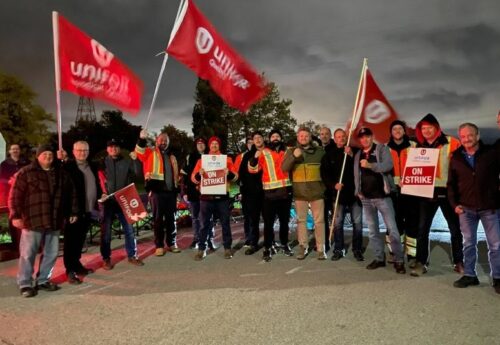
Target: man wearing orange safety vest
404, 205
429, 135
161, 175
277, 191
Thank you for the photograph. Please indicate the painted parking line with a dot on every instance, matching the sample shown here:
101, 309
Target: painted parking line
293, 270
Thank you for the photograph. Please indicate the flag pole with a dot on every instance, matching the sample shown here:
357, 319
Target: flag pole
354, 120
181, 11
57, 70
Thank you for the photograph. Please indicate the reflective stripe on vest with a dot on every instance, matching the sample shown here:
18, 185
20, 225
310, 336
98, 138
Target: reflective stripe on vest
443, 163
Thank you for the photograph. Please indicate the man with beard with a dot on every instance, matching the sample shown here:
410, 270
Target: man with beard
161, 174
404, 205
303, 163
251, 192
429, 135
331, 168
277, 190
473, 194
191, 193
211, 204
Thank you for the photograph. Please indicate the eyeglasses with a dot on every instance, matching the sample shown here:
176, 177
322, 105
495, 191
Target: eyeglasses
82, 150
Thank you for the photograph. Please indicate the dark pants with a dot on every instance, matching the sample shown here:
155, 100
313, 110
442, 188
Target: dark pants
74, 238
252, 208
194, 208
271, 209
15, 236
163, 205
407, 219
356, 211
207, 210
427, 209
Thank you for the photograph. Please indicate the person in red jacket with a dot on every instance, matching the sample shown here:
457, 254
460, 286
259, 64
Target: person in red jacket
214, 203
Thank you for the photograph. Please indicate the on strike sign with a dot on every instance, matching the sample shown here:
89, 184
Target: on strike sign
420, 172
213, 181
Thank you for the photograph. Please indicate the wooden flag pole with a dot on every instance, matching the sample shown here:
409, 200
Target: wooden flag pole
180, 14
354, 120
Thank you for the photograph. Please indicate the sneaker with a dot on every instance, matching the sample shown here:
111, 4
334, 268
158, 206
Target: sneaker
375, 264
321, 255
412, 263
418, 270
135, 261
466, 281
302, 253
27, 292
400, 267
337, 255
73, 278
250, 250
459, 267
228, 254
211, 245
174, 249
107, 265
358, 255
247, 244
200, 255
266, 255
496, 285
287, 251
159, 252
194, 245
48, 286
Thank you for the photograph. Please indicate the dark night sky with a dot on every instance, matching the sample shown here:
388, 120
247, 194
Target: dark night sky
427, 56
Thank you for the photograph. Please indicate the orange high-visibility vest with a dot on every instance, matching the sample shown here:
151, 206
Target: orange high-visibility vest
152, 163
270, 165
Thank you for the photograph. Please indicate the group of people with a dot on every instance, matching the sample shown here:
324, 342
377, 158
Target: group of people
55, 193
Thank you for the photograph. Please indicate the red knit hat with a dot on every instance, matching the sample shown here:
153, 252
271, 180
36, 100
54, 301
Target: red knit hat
214, 138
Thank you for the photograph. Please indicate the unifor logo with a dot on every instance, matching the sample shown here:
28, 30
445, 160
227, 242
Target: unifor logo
377, 112
204, 40
134, 203
101, 54
214, 158
423, 151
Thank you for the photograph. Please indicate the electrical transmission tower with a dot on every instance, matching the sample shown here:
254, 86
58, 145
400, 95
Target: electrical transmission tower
86, 110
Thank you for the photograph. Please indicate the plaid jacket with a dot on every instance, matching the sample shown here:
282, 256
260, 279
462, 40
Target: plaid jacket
34, 201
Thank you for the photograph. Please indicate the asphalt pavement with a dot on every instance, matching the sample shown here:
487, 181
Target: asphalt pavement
176, 300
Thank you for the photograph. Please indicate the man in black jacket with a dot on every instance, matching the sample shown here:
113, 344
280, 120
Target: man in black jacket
331, 167
473, 193
84, 176
116, 173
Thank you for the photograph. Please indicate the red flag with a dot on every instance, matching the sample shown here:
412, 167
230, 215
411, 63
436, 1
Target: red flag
374, 110
198, 45
131, 204
90, 70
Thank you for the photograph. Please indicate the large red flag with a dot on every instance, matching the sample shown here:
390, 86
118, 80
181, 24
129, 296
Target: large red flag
374, 110
198, 45
88, 69
131, 204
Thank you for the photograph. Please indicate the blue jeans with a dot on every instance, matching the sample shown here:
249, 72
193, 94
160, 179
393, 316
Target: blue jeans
207, 210
28, 249
109, 209
469, 221
384, 206
357, 226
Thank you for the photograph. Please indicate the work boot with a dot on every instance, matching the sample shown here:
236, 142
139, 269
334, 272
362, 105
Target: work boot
302, 253
200, 255
466, 281
418, 270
